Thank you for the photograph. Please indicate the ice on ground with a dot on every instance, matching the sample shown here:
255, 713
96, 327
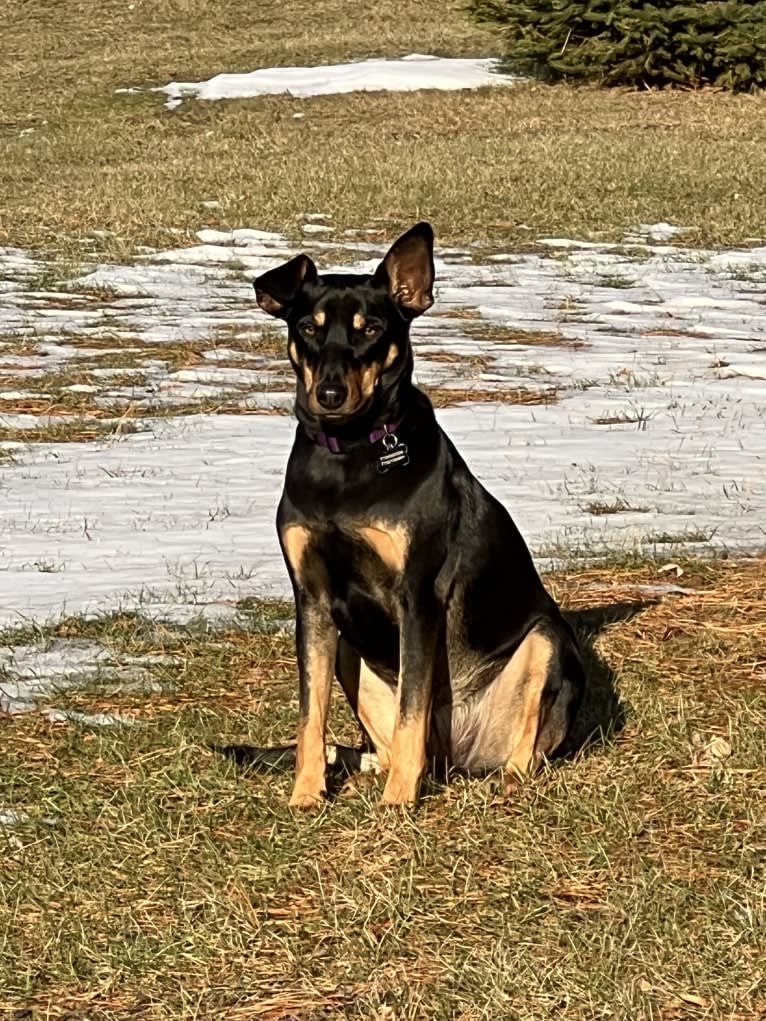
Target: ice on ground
316, 228
652, 357
656, 232
34, 674
89, 719
11, 817
651, 588
15, 817
408, 74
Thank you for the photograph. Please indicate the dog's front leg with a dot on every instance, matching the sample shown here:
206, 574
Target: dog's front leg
419, 635
316, 644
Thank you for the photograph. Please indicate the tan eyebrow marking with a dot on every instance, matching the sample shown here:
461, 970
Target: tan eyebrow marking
359, 321
319, 318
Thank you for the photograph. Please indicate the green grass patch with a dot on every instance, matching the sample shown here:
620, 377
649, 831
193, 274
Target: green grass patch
147, 877
501, 166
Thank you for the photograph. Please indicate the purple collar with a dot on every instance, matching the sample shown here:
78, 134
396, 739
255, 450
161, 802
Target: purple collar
332, 443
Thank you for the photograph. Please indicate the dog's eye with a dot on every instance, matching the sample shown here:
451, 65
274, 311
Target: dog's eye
309, 330
371, 332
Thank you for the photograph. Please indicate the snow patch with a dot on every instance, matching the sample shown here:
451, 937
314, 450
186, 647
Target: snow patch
408, 74
88, 719
31, 674
655, 438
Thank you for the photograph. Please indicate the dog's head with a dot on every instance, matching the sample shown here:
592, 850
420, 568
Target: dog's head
348, 334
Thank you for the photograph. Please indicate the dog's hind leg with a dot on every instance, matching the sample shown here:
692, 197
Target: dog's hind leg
523, 716
546, 677
372, 700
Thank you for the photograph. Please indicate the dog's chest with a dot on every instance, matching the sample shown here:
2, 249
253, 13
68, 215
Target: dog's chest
371, 553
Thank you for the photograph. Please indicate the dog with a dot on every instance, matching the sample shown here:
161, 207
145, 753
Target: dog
412, 585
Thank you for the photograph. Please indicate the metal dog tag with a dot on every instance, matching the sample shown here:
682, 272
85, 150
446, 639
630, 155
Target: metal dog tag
396, 455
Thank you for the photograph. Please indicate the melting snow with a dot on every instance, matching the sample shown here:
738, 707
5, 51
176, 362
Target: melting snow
654, 358
417, 71
15, 817
31, 674
89, 719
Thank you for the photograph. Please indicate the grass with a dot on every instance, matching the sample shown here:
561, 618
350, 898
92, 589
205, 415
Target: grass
619, 418
55, 384
615, 281
95, 159
636, 416
56, 276
447, 397
76, 417
457, 312
149, 878
153, 879
464, 364
616, 506
122, 351
90, 422
516, 335
50, 393
77, 429
752, 273
72, 415
694, 535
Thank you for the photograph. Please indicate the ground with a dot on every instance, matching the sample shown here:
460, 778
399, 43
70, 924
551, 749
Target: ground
602, 371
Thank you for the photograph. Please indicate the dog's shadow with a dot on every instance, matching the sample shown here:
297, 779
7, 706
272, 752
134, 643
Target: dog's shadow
602, 713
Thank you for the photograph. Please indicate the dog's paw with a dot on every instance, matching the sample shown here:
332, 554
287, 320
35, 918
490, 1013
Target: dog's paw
513, 781
307, 801
401, 789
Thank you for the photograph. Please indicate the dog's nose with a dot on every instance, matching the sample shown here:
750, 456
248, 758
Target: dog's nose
331, 395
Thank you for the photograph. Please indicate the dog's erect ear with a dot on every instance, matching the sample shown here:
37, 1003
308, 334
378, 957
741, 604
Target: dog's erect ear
408, 270
275, 291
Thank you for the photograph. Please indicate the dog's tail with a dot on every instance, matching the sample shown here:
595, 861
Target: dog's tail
281, 758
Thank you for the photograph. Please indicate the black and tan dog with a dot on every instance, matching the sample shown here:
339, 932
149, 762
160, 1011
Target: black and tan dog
412, 584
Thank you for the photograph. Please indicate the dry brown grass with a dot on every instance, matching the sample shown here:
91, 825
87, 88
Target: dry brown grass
82, 421
516, 335
465, 365
447, 397
153, 880
625, 882
457, 312
723, 614
73, 415
500, 165
77, 428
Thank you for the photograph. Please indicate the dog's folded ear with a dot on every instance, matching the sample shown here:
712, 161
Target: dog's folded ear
408, 270
275, 291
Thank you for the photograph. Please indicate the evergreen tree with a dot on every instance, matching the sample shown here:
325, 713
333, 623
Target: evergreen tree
721, 43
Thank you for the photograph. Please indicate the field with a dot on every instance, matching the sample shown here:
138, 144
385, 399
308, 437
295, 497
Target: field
603, 373
498, 165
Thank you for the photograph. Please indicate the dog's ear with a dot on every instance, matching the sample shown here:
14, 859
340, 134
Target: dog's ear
275, 290
408, 270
